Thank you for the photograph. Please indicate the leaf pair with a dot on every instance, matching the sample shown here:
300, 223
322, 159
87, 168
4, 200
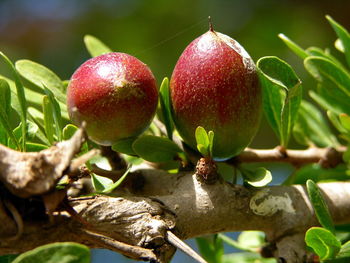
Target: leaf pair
204, 141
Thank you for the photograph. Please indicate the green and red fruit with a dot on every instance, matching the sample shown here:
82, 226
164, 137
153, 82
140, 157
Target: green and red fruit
115, 94
215, 85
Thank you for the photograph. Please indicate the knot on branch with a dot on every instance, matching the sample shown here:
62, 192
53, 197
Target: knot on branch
34, 173
133, 220
206, 170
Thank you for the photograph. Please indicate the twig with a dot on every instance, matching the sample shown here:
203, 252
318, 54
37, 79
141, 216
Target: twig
114, 159
77, 162
177, 242
328, 157
133, 252
17, 217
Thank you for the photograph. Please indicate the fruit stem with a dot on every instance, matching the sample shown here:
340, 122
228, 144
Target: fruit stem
211, 28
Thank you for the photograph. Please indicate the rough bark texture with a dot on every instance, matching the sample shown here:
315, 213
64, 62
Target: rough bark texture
284, 213
135, 221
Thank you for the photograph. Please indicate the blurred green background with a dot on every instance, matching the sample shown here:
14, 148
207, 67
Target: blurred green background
157, 31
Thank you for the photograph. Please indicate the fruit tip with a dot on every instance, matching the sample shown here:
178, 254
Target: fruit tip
211, 28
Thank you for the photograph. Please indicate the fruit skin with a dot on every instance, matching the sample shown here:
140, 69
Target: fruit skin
215, 85
115, 94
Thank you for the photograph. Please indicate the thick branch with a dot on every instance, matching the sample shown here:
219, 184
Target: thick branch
196, 209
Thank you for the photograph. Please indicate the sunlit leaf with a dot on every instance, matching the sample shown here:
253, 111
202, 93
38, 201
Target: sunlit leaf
293, 46
38, 75
5, 107
323, 242
339, 45
211, 248
281, 95
67, 252
343, 35
48, 119
95, 46
166, 107
256, 176
21, 98
56, 110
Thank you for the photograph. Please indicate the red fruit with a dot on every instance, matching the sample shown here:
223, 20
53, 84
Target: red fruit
115, 94
215, 85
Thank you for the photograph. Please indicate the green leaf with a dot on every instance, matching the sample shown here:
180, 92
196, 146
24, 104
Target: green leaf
320, 206
211, 142
68, 131
48, 119
155, 149
331, 99
319, 174
38, 75
311, 128
344, 251
205, 141
35, 147
5, 126
202, 136
7, 258
65, 252
343, 35
37, 116
345, 121
21, 98
334, 118
256, 176
293, 46
251, 240
95, 46
327, 72
339, 45
315, 51
124, 146
31, 132
100, 183
202, 149
323, 242
56, 110
246, 257
281, 95
5, 105
211, 248
33, 98
113, 186
166, 107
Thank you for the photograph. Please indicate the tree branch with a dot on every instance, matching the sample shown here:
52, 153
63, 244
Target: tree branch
190, 209
328, 157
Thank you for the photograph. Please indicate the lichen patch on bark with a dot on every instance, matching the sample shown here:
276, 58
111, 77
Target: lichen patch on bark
267, 205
